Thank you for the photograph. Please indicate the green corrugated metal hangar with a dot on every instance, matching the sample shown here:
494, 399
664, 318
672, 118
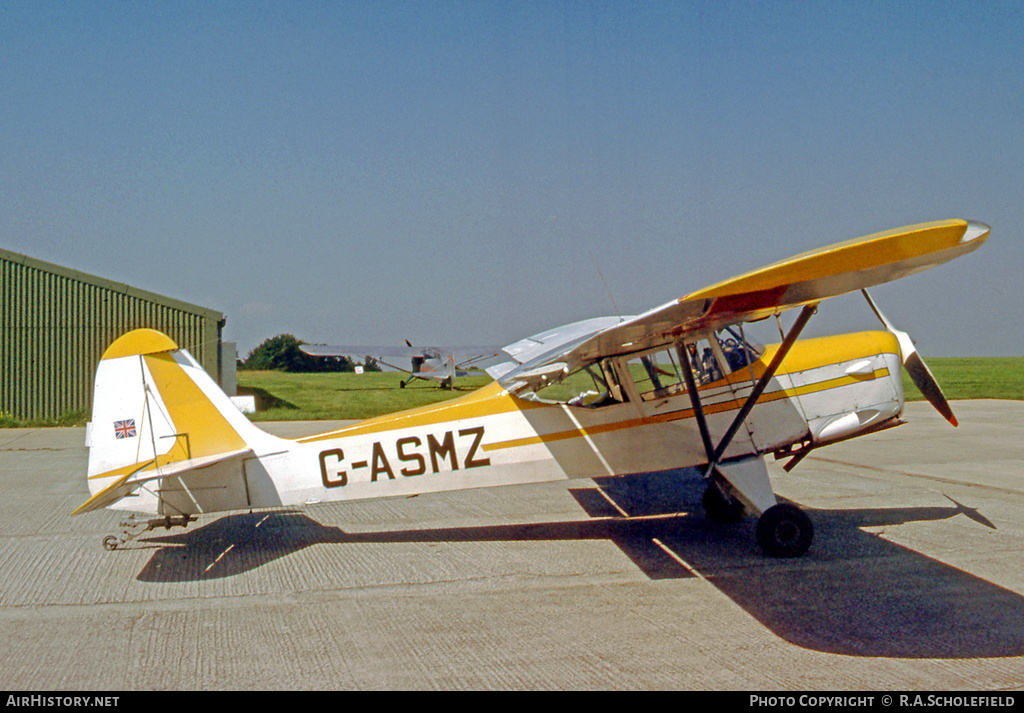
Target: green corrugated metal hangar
55, 324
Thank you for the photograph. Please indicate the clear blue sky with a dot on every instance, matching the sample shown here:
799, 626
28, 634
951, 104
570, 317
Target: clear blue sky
457, 172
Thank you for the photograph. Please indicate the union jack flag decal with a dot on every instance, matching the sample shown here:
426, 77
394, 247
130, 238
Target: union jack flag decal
124, 429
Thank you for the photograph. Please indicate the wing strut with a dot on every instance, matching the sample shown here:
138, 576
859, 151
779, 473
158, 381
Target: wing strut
698, 410
714, 456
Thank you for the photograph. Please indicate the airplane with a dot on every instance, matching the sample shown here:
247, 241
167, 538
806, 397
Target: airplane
679, 386
428, 363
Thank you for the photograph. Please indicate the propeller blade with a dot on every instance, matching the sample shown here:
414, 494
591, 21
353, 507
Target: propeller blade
919, 372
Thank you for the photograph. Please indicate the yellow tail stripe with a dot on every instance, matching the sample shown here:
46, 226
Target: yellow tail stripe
191, 411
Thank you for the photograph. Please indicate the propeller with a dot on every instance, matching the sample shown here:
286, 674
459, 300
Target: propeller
919, 372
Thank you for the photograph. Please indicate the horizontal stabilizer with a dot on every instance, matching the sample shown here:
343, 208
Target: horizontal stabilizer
184, 466
128, 483
120, 488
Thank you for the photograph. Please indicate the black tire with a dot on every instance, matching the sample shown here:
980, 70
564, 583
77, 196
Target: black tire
784, 530
720, 508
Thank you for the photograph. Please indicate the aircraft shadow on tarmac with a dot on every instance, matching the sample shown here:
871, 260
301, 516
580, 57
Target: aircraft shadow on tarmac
854, 593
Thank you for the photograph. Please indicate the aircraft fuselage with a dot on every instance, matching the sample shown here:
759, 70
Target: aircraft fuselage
831, 389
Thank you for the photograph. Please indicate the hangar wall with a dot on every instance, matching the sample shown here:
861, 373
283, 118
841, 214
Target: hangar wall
55, 324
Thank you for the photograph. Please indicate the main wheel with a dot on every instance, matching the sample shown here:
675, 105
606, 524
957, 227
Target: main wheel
784, 530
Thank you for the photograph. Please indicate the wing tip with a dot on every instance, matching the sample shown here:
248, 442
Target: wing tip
976, 231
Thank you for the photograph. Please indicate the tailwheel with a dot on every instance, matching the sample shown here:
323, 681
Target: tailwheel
110, 543
784, 530
133, 527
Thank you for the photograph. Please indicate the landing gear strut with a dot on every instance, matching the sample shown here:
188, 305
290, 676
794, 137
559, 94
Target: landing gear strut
132, 528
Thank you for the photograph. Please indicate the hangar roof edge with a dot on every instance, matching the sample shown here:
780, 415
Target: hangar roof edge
112, 285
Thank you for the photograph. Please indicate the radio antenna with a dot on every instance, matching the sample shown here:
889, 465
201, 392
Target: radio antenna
605, 283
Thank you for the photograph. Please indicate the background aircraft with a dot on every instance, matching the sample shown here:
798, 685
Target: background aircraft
440, 364
678, 386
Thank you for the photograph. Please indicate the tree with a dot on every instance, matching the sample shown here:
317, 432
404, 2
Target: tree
282, 353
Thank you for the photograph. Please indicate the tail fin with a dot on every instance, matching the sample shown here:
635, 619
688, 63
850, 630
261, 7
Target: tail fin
158, 415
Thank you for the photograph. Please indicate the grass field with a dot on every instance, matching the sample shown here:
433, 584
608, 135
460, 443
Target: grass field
283, 397
316, 397
974, 378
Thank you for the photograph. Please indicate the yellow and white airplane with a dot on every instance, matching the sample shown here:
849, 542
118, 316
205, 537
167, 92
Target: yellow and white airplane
678, 386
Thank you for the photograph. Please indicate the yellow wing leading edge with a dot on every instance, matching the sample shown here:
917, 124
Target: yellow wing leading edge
844, 267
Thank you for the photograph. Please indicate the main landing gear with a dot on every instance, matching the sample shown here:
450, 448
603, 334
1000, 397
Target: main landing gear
447, 384
783, 530
132, 528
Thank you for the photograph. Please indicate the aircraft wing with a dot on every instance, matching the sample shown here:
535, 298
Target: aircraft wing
384, 355
328, 350
800, 280
471, 357
465, 354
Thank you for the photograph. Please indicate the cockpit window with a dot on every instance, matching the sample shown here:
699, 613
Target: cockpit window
657, 375
703, 362
592, 386
729, 352
738, 351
